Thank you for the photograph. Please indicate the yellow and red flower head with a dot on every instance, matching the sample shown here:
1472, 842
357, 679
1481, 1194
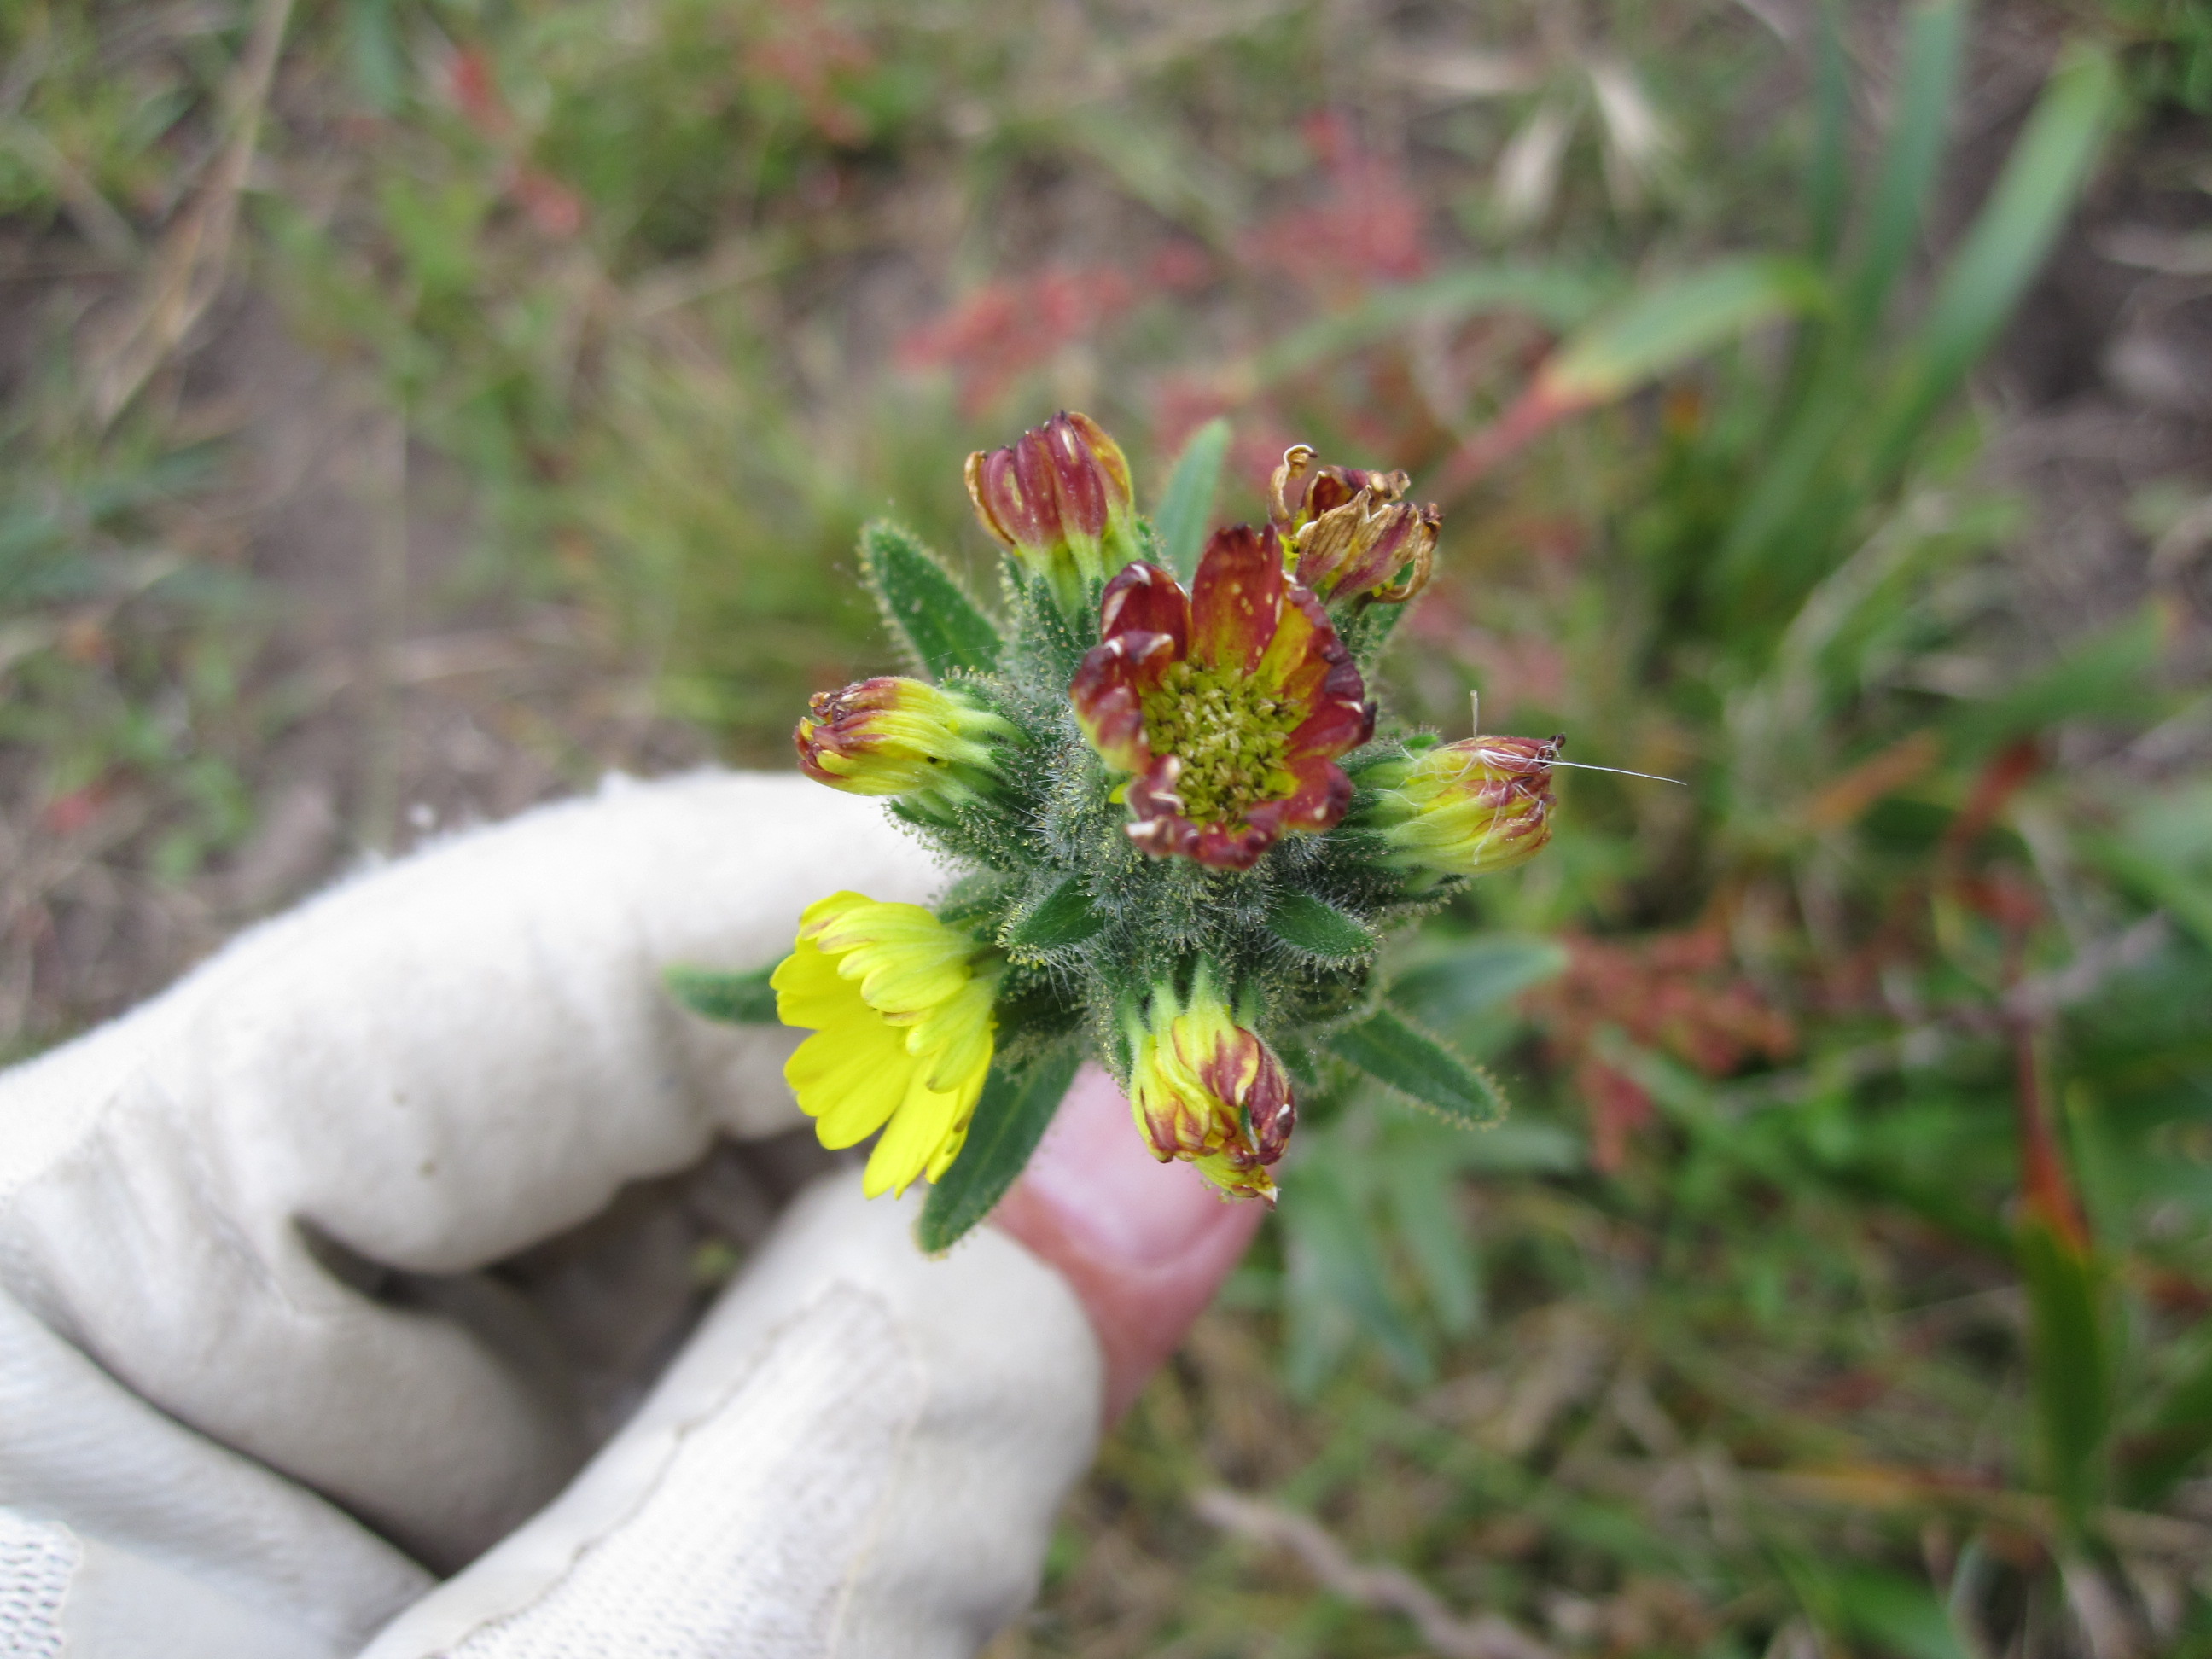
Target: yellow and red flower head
1228, 705
1470, 808
1207, 1089
1057, 498
893, 736
1348, 532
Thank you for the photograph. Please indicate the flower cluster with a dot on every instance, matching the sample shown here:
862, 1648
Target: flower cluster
1181, 835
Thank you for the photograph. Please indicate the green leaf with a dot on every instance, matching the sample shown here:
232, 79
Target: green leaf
927, 611
735, 998
1320, 930
1664, 327
2163, 853
1065, 918
2178, 1433
1557, 295
1902, 1615
1480, 975
2105, 677
1010, 1117
2008, 245
1910, 154
1337, 1283
2069, 1367
1421, 1182
1416, 1065
1187, 506
1827, 178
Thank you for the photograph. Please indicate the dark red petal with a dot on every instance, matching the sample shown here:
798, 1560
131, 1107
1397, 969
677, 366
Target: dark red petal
1320, 801
1016, 499
1145, 599
1083, 501
1232, 846
1032, 470
1332, 487
1107, 696
1106, 455
1238, 598
1271, 1108
1333, 728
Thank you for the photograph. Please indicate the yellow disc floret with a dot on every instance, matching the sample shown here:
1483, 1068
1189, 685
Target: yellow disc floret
901, 1012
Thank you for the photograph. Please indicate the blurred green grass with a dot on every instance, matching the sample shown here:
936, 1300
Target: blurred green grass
1841, 1284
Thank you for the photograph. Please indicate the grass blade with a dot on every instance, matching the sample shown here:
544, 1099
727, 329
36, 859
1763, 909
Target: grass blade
1664, 327
1910, 155
1480, 975
1827, 177
1338, 1279
2008, 245
2068, 1366
2177, 1436
1187, 507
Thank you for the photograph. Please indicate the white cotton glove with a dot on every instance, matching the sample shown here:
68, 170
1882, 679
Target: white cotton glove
255, 1391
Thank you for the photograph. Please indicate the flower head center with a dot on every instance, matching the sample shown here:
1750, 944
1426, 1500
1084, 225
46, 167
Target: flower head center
1232, 734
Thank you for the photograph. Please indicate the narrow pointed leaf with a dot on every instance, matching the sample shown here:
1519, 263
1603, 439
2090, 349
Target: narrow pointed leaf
1665, 327
1478, 976
2176, 1436
735, 998
1010, 1118
1910, 154
1065, 918
1423, 1193
2006, 246
927, 611
1338, 1279
2069, 1367
1393, 1052
1187, 507
1827, 178
1319, 929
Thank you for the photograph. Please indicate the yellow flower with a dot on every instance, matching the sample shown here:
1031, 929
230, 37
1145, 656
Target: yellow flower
902, 1020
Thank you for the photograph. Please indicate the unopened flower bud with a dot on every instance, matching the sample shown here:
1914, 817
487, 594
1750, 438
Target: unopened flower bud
1207, 1089
893, 736
1348, 533
1057, 498
1470, 808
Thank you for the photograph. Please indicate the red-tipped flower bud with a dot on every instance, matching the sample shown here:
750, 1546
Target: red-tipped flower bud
892, 736
1057, 498
1207, 1089
1468, 809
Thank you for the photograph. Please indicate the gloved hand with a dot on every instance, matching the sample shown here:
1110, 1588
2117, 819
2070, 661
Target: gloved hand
257, 1388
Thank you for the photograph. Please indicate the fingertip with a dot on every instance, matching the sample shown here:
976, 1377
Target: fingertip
1145, 1244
